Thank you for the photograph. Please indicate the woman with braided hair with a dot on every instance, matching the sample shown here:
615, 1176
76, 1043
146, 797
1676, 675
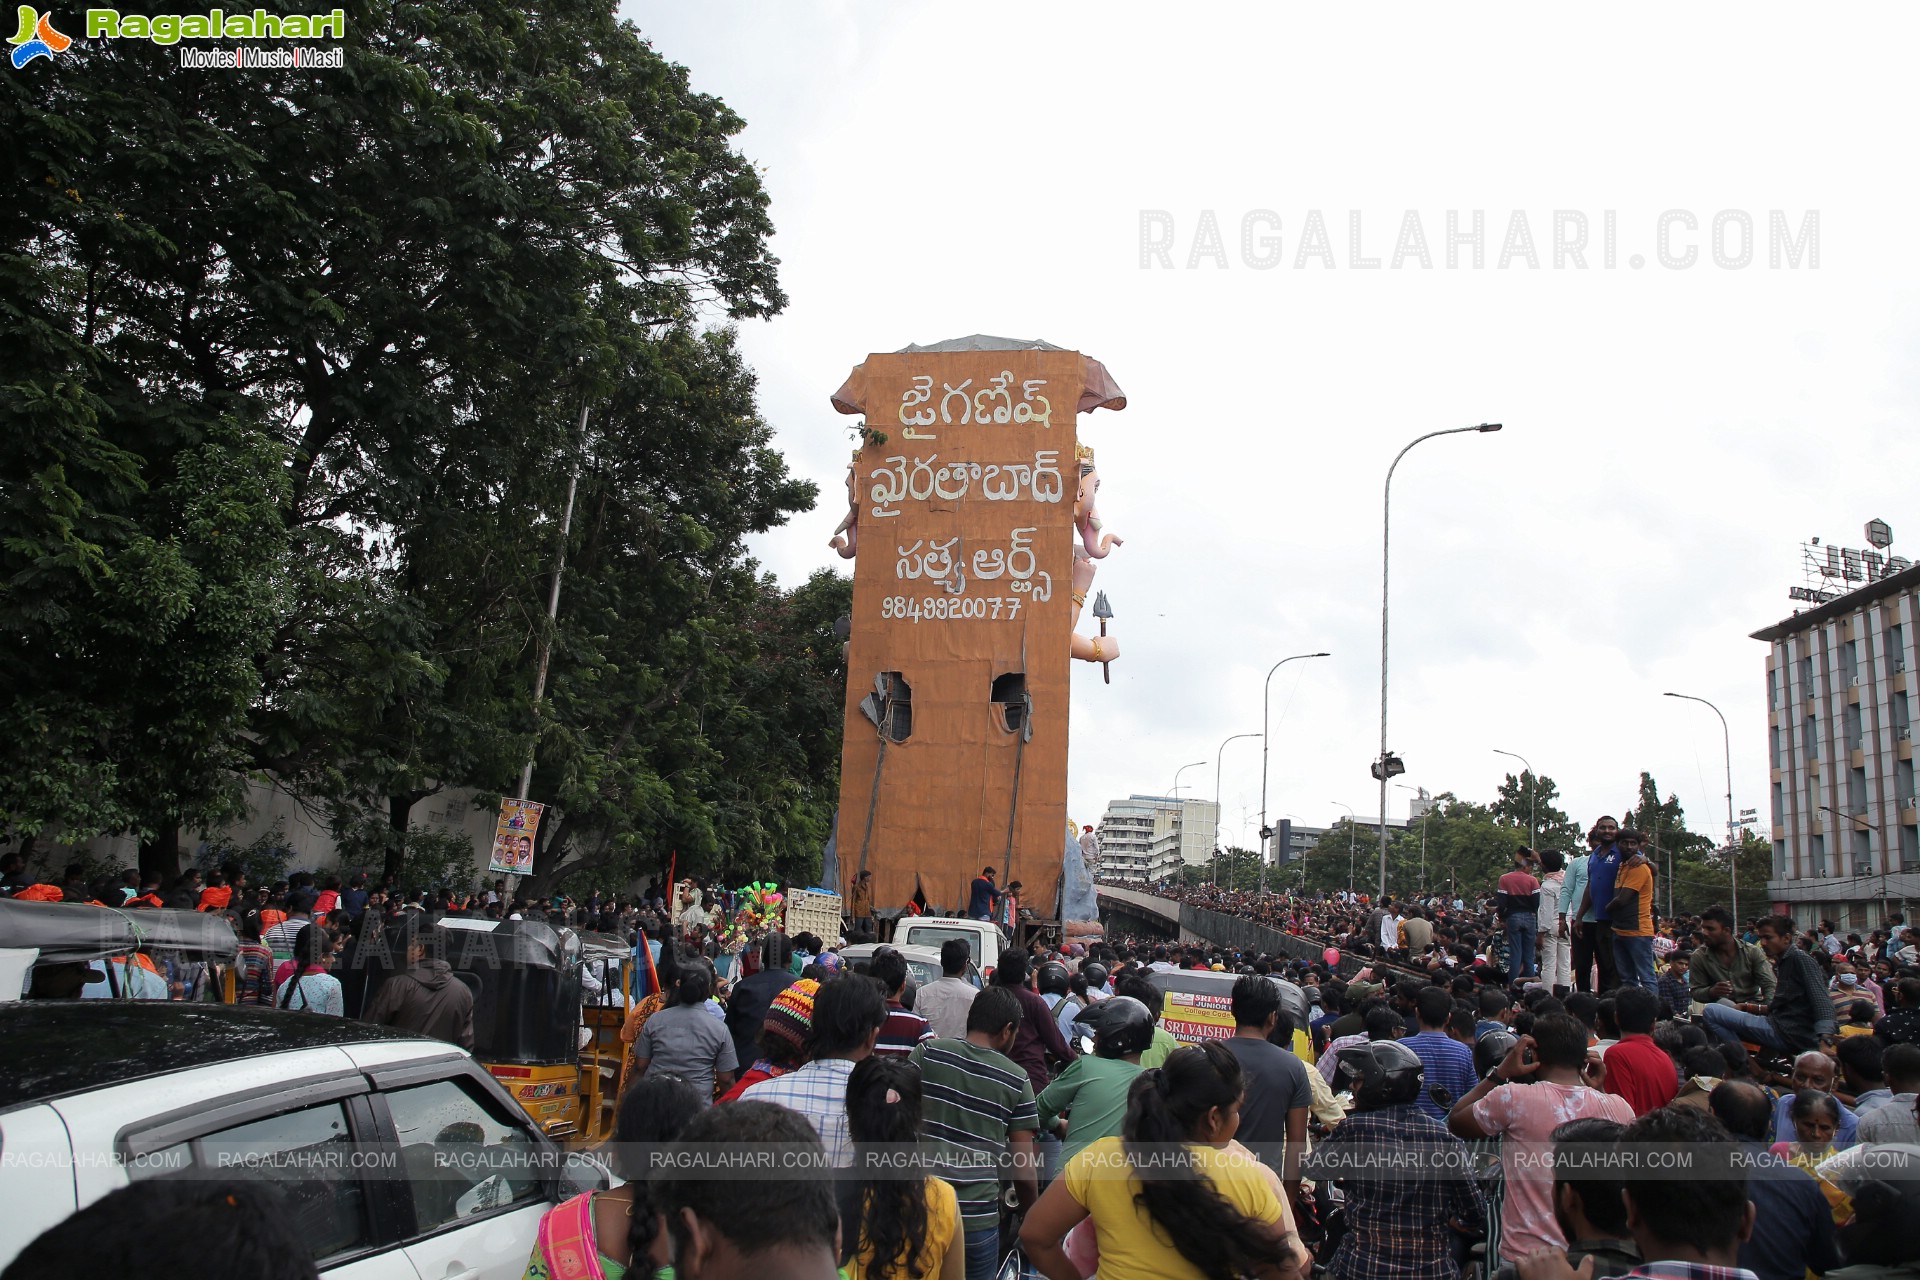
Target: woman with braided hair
609, 1235
1173, 1198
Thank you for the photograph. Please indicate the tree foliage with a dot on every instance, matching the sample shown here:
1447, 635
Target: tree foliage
298, 364
1527, 802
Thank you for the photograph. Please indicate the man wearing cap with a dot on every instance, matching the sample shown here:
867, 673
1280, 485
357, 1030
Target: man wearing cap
751, 997
782, 1043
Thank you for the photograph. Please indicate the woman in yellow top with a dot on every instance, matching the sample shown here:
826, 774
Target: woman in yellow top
1228, 1222
607, 1235
893, 1228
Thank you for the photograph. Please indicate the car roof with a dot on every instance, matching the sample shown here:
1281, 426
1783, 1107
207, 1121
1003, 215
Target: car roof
962, 921
55, 1048
911, 950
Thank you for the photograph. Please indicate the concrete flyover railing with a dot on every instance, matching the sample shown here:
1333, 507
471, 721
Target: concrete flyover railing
1201, 924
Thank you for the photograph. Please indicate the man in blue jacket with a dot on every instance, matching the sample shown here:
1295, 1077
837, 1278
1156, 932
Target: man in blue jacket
1596, 926
985, 897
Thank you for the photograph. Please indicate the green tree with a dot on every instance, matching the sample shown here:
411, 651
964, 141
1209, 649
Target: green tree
386, 292
1526, 799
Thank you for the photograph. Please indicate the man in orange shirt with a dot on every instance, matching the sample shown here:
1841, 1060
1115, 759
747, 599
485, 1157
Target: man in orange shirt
1631, 911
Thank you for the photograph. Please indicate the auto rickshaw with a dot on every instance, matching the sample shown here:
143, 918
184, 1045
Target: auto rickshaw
34, 934
528, 998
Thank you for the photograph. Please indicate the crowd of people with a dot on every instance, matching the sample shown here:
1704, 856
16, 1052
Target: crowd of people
1408, 1090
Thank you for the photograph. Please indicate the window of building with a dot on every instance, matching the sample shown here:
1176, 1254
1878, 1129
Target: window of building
1851, 719
1850, 660
1896, 648
1857, 790
1779, 859
1910, 848
891, 706
1817, 854
1862, 853
1810, 737
1010, 700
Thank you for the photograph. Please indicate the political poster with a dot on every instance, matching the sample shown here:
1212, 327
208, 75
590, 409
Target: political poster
514, 836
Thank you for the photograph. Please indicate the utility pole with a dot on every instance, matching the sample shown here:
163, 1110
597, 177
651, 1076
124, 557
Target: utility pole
553, 605
1386, 766
1266, 691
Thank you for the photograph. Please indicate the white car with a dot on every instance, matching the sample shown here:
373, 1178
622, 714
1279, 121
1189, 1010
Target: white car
399, 1157
923, 964
983, 939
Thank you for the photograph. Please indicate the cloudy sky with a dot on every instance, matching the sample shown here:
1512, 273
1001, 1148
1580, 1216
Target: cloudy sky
1672, 433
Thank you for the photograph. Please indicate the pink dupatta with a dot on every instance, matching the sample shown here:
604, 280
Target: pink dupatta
568, 1243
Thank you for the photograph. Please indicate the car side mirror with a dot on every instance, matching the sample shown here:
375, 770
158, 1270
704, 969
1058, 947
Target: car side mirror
580, 1173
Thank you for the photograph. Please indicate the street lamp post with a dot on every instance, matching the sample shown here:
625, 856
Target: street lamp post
1422, 793
1265, 742
1533, 788
1353, 824
1386, 529
1733, 850
1218, 758
1175, 792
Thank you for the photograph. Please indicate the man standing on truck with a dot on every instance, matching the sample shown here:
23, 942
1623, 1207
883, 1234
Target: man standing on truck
985, 898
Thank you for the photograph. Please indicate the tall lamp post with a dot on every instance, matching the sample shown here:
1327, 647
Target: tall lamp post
1733, 851
1533, 788
1386, 766
1219, 757
1265, 831
1175, 792
1422, 793
1353, 824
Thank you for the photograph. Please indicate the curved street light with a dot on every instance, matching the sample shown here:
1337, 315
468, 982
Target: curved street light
1733, 851
1266, 742
1175, 793
1532, 787
1353, 824
1218, 758
1386, 766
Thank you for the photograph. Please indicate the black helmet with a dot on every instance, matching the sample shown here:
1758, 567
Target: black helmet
1095, 973
1490, 1050
1122, 1026
1380, 1073
1054, 979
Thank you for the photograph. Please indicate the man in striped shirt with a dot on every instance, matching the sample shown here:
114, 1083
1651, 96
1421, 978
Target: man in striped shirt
847, 1013
279, 939
977, 1109
903, 1029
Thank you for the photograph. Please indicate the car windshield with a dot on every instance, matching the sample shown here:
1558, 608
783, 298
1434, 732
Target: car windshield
923, 973
932, 935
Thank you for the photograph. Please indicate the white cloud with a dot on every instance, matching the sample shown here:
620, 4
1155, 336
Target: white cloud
1670, 435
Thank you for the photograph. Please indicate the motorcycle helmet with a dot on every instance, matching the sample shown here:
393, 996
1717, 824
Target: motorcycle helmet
1381, 1073
1054, 979
1095, 973
1490, 1050
1122, 1026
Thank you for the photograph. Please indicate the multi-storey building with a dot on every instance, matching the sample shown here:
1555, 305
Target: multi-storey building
1840, 696
1150, 838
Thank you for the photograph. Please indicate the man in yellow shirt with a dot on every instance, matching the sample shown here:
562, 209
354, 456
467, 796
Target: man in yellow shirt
1631, 911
